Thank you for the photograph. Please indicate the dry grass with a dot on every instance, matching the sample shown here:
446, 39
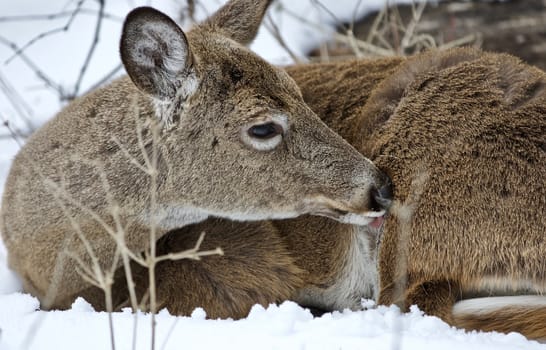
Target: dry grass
390, 34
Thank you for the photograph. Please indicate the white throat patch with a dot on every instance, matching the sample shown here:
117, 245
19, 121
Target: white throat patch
168, 217
357, 280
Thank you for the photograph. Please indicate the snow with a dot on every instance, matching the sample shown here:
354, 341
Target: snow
286, 326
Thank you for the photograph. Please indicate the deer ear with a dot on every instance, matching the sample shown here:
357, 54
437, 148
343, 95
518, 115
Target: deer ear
238, 19
156, 54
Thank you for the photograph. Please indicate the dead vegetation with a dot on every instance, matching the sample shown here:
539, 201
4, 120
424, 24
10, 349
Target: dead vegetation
513, 26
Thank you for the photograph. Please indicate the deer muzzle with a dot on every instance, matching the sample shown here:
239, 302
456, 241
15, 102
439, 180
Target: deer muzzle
367, 206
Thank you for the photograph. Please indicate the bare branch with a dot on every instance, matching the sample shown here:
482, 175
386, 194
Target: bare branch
188, 12
131, 159
192, 253
98, 26
274, 30
374, 30
467, 39
51, 16
19, 51
39, 73
373, 49
106, 78
55, 188
87, 245
350, 32
336, 20
19, 104
13, 134
64, 28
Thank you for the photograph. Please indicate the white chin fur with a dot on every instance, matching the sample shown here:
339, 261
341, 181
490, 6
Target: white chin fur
360, 219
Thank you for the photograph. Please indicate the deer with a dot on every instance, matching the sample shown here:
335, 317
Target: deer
200, 127
461, 133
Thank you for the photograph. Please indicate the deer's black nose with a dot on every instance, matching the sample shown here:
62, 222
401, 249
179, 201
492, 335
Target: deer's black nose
381, 197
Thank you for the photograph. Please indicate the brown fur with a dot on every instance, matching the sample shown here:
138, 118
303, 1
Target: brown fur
318, 247
264, 262
206, 91
225, 286
528, 321
462, 134
464, 145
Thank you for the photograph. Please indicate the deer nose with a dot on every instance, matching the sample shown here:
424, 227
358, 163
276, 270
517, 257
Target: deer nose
381, 198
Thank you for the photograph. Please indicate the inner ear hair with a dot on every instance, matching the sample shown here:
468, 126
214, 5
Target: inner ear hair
155, 53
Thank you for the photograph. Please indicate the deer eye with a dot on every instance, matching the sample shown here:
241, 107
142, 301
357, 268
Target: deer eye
265, 131
265, 135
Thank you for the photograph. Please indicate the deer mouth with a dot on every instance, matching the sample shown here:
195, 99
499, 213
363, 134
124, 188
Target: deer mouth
364, 210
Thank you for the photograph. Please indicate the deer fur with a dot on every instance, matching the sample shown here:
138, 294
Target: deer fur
317, 262
226, 135
462, 134
322, 264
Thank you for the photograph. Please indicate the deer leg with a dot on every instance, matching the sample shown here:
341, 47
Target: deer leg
435, 298
256, 268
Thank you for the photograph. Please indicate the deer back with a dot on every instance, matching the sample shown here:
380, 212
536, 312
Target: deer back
462, 135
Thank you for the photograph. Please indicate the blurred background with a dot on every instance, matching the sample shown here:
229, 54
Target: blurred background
514, 26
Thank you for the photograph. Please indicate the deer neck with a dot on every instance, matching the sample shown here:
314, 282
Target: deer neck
172, 216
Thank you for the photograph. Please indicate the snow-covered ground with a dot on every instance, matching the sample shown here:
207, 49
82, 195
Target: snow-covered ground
279, 327
287, 326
